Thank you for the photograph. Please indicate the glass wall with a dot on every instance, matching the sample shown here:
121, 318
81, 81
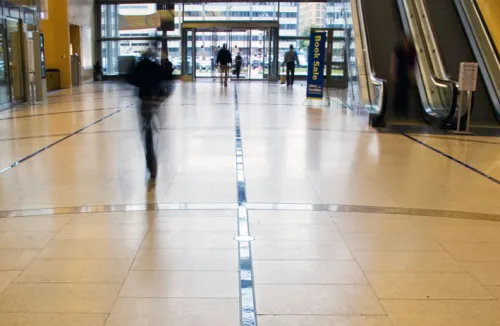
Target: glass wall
4, 77
295, 22
15, 60
231, 11
123, 40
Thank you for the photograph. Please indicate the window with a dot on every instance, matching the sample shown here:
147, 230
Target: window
288, 14
86, 47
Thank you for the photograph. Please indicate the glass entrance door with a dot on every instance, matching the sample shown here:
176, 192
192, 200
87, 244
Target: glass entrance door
4, 76
257, 45
15, 60
240, 41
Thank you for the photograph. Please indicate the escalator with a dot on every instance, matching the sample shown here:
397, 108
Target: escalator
455, 48
383, 29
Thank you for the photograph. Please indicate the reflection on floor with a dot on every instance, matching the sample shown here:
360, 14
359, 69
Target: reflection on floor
368, 257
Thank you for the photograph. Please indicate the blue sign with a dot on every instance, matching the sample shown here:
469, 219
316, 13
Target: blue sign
316, 65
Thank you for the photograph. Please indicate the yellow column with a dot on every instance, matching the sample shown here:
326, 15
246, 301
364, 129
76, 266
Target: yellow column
57, 40
490, 9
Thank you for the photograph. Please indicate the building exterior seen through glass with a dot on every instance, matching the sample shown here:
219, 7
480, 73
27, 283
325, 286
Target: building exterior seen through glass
120, 47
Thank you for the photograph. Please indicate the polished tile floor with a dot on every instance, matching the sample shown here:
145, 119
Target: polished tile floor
116, 262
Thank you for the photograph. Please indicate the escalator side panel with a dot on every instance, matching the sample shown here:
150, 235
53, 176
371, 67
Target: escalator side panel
455, 48
384, 28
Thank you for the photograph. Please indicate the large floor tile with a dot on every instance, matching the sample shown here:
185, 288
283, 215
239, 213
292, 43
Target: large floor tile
161, 284
194, 224
190, 240
6, 278
474, 252
33, 224
300, 250
76, 271
16, 260
457, 233
185, 312
186, 260
495, 290
61, 298
103, 232
391, 241
91, 249
406, 261
192, 213
324, 321
443, 312
484, 272
459, 286
181, 192
307, 272
368, 224
317, 300
54, 319
288, 217
114, 218
295, 232
286, 190
25, 240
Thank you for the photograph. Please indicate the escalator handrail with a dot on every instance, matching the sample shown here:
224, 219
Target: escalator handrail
474, 37
439, 82
369, 68
442, 82
381, 84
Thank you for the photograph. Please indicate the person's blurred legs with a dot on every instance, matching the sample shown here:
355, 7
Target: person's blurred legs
401, 97
226, 74
147, 108
290, 73
151, 162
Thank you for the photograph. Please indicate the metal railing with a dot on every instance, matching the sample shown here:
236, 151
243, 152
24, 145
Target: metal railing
373, 90
438, 92
483, 48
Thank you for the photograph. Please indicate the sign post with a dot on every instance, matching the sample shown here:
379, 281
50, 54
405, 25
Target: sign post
467, 82
316, 66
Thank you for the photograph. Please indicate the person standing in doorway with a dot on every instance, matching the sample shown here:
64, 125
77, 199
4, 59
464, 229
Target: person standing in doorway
212, 61
237, 67
403, 63
291, 58
224, 59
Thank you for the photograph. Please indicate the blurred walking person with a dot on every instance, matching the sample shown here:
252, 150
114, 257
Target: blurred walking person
212, 61
238, 60
224, 59
291, 58
147, 76
403, 63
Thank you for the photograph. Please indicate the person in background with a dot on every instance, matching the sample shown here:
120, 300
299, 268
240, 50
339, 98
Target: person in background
212, 61
291, 58
403, 63
237, 67
224, 59
98, 75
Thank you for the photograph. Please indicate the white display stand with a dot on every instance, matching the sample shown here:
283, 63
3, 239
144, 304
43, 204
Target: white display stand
467, 82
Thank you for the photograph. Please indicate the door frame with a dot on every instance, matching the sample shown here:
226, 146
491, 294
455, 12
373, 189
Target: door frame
269, 28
